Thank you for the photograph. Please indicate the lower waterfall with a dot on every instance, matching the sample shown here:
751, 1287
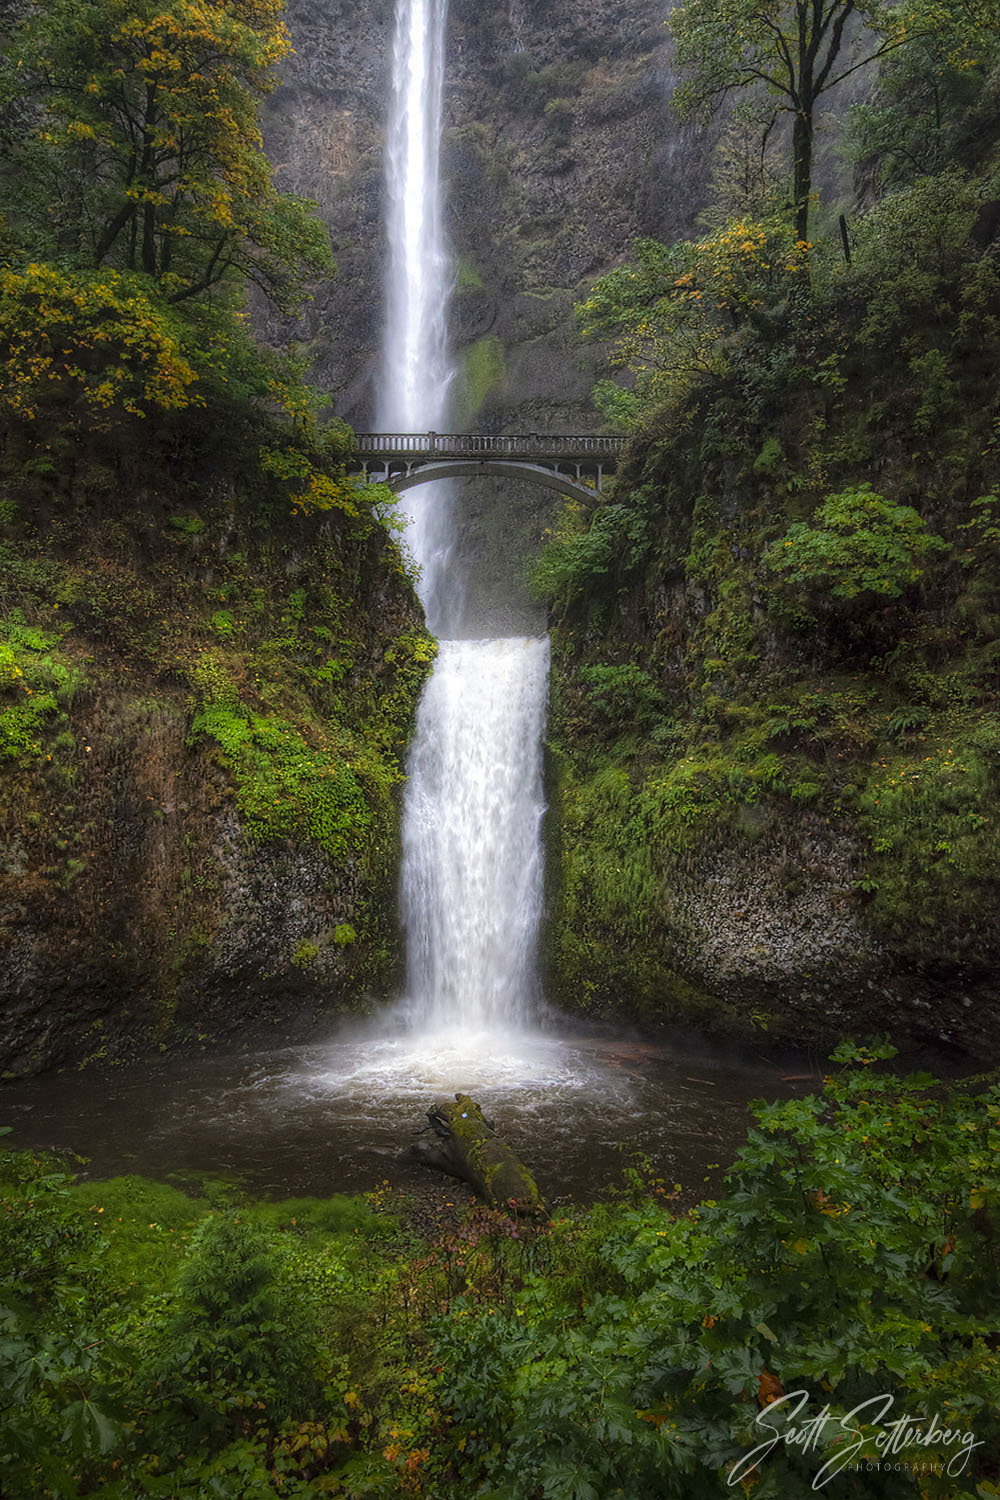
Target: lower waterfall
472, 881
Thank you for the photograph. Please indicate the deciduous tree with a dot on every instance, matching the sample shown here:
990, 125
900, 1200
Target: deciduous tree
145, 151
794, 50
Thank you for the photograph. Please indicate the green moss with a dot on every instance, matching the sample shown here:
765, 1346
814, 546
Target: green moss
467, 278
484, 369
284, 786
35, 682
931, 818
187, 525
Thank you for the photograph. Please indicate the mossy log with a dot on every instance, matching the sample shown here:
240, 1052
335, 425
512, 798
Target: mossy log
468, 1147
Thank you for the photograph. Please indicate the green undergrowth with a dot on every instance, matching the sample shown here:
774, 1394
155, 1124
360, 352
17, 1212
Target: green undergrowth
782, 627
200, 1343
36, 685
284, 787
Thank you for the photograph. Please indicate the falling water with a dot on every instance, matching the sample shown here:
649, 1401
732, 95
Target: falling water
472, 856
309, 1119
472, 887
417, 372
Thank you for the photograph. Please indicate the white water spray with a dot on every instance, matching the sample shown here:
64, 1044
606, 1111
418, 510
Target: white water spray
472, 853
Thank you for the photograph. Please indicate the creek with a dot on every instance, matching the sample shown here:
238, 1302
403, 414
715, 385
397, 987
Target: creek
339, 1116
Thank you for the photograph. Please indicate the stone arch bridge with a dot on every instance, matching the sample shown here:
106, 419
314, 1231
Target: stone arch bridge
575, 466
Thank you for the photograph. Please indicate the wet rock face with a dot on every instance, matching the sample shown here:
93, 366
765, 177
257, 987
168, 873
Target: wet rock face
181, 930
149, 896
559, 148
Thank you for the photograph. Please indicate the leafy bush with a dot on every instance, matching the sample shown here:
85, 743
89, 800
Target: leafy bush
683, 314
622, 694
851, 1260
96, 339
236, 1336
857, 544
582, 550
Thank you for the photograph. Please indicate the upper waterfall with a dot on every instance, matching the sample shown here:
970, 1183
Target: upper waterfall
417, 373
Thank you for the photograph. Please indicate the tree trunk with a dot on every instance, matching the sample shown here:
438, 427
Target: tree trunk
802, 150
468, 1147
149, 239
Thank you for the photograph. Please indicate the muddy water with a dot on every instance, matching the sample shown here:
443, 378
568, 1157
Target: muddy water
341, 1117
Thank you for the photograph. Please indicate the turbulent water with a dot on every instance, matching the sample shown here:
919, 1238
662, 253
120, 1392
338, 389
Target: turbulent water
472, 854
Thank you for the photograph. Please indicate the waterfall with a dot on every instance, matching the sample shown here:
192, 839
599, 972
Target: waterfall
472, 853
471, 888
416, 369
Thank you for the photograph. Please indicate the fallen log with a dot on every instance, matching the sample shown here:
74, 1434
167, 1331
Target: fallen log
467, 1146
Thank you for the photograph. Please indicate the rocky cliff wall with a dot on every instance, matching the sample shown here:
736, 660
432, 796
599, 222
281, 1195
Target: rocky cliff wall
559, 149
204, 704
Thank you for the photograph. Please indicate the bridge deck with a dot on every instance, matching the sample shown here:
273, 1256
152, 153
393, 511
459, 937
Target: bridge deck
537, 447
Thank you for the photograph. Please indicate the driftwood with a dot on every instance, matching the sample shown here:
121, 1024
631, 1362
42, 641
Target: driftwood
468, 1147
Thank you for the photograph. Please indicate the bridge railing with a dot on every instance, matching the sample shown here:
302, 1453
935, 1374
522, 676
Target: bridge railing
482, 445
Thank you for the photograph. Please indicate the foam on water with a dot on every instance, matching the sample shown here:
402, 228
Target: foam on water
472, 881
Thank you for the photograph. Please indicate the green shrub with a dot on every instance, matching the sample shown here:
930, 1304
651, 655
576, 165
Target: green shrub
583, 549
237, 1335
858, 544
849, 1259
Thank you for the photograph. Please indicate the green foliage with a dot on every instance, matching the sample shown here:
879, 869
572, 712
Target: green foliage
618, 406
189, 525
849, 1258
914, 259
688, 314
935, 101
137, 208
808, 628
284, 786
858, 545
582, 550
310, 484
930, 818
799, 52
97, 341
237, 1334
154, 1346
149, 156
621, 694
35, 683
55, 1365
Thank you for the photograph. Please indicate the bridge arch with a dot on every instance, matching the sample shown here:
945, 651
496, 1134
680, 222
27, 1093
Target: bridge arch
510, 469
